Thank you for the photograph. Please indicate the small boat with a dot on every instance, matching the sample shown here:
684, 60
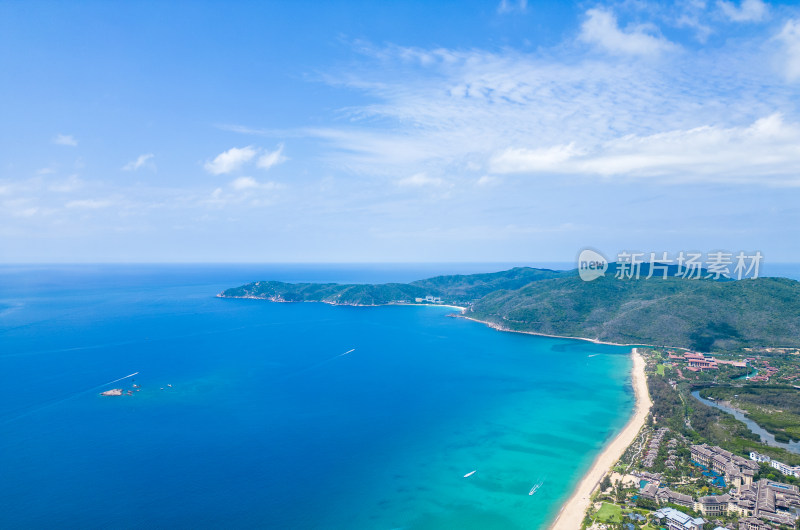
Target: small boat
470, 474
169, 385
535, 488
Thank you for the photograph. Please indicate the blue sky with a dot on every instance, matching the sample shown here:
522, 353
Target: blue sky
397, 131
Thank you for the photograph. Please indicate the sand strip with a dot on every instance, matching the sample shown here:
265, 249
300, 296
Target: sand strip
573, 511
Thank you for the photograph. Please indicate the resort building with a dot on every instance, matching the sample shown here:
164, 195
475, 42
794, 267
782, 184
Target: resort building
696, 362
751, 523
774, 501
758, 457
786, 469
676, 520
649, 491
666, 495
713, 505
736, 470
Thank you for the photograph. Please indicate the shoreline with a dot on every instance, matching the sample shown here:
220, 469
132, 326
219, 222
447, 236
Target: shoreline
572, 512
498, 327
281, 301
574, 509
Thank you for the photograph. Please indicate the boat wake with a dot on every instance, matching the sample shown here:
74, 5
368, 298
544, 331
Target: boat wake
26, 411
536, 487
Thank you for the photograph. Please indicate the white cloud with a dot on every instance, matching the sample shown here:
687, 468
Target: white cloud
249, 183
702, 31
514, 160
764, 152
69, 185
748, 10
231, 160
790, 37
65, 139
601, 28
89, 204
272, 158
419, 180
456, 112
141, 161
510, 6
487, 181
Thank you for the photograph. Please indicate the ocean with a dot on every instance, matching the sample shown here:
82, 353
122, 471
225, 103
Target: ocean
250, 414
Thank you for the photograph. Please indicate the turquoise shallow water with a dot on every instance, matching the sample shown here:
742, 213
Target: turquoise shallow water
266, 424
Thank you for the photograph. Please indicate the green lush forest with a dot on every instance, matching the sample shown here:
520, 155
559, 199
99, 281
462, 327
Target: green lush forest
704, 315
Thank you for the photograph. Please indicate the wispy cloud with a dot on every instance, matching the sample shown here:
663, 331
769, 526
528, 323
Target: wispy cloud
487, 181
790, 38
249, 183
419, 180
271, 158
767, 149
460, 114
140, 162
89, 204
65, 139
748, 10
512, 6
601, 28
230, 160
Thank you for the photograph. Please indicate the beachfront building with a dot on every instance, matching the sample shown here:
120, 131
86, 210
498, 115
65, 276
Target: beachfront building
736, 470
758, 457
676, 520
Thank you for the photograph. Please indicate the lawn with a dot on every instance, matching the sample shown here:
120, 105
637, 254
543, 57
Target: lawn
609, 513
660, 369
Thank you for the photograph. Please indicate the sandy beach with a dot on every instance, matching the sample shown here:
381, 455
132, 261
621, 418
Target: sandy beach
571, 514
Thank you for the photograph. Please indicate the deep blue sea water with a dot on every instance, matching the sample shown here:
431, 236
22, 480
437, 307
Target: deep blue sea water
266, 424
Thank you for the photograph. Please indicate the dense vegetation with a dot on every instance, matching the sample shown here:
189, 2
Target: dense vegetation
458, 289
698, 314
775, 408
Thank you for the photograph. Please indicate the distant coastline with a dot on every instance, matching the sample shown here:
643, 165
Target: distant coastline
280, 300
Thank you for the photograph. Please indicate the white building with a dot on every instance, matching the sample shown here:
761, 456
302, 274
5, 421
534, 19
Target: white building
758, 457
786, 469
677, 520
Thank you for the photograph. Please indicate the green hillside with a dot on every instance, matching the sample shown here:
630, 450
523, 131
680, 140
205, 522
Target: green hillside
452, 289
697, 314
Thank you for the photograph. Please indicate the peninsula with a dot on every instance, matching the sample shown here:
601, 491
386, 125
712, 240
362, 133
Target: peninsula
697, 314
